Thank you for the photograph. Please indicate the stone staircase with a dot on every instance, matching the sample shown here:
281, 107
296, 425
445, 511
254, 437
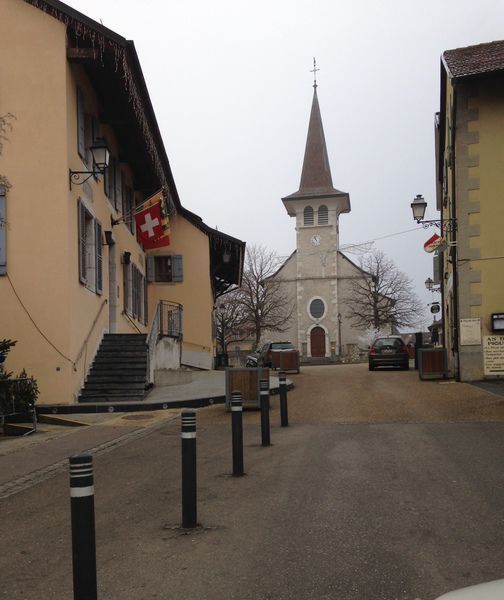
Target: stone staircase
118, 372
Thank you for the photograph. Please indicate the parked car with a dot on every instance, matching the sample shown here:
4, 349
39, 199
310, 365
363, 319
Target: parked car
263, 357
389, 351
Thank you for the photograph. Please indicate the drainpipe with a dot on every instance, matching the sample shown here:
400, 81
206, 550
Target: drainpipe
453, 249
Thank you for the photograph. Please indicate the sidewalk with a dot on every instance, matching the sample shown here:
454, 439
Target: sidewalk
99, 428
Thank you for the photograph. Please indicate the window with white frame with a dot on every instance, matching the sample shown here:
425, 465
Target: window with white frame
90, 249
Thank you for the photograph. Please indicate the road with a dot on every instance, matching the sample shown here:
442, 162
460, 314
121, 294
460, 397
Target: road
382, 488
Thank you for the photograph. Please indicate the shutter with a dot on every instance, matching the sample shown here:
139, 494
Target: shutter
146, 298
436, 268
3, 231
126, 286
98, 258
178, 273
150, 268
82, 240
81, 126
118, 186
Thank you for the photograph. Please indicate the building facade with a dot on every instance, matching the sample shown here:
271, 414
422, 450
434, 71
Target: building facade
470, 180
316, 276
72, 267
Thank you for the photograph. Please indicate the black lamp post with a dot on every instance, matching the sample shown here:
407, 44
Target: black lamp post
101, 159
418, 207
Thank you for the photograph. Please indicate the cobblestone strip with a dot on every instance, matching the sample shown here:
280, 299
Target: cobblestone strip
26, 481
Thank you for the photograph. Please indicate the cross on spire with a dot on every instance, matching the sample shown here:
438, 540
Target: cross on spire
314, 71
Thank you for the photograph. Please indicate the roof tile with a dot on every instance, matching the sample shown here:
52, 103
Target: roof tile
475, 60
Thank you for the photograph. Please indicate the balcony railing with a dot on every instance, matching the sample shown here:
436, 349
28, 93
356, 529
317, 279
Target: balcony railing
167, 322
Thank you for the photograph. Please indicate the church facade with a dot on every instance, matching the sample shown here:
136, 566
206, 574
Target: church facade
317, 276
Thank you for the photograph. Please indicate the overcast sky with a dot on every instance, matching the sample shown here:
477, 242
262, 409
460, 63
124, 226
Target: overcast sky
231, 86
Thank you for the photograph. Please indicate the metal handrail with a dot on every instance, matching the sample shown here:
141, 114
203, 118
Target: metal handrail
89, 334
167, 322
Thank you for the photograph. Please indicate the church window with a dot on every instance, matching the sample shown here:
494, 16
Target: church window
323, 215
308, 215
317, 308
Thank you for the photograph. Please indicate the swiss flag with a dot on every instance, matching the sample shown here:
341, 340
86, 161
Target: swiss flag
150, 227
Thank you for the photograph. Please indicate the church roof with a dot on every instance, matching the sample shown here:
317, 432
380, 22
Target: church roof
316, 179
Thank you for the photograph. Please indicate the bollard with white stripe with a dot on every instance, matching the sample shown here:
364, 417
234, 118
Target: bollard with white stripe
83, 527
284, 414
188, 434
265, 421
237, 432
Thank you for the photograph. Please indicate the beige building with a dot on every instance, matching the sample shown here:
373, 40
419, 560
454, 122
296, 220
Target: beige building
72, 269
470, 177
316, 276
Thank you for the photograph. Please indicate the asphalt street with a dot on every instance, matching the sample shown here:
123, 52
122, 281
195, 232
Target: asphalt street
383, 487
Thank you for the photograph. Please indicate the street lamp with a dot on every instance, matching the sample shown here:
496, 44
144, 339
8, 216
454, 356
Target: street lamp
418, 207
429, 284
101, 159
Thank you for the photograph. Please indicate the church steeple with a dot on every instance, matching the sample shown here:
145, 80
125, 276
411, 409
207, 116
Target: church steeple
316, 175
316, 180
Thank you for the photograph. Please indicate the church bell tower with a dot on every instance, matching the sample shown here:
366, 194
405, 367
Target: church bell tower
316, 206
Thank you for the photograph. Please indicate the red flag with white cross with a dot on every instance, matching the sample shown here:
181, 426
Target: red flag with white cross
151, 228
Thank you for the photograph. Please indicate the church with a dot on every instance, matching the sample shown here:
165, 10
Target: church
316, 276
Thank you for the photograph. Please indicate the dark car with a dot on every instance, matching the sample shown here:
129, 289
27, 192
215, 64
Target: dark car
389, 351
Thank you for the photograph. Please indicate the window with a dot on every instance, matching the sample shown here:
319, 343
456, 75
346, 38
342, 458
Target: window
317, 308
81, 126
90, 250
323, 215
308, 215
128, 207
167, 269
135, 292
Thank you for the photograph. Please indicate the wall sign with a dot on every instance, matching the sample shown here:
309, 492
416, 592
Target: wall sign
493, 354
470, 332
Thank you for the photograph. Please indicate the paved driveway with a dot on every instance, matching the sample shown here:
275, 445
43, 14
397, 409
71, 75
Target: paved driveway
382, 488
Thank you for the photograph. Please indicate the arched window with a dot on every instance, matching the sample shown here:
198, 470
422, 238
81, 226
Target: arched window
323, 215
308, 215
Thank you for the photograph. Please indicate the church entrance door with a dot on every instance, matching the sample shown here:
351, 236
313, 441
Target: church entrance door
317, 342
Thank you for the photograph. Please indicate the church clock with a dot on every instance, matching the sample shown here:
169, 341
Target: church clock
315, 240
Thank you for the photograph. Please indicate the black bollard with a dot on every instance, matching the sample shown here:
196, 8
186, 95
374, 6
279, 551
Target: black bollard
265, 422
188, 434
83, 527
284, 414
237, 432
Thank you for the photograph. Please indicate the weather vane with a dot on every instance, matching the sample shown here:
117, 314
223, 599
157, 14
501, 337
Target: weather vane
314, 71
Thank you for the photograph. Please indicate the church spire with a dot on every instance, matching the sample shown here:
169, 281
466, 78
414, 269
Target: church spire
316, 174
316, 180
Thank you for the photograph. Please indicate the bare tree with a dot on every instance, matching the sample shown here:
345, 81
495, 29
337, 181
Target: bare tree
231, 320
264, 302
383, 298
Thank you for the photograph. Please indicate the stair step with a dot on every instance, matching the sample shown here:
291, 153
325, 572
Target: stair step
114, 358
114, 385
109, 399
111, 393
116, 378
117, 370
125, 336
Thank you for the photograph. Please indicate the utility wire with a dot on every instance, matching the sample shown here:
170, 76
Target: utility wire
35, 325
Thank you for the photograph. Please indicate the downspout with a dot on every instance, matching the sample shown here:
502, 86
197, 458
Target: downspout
453, 250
